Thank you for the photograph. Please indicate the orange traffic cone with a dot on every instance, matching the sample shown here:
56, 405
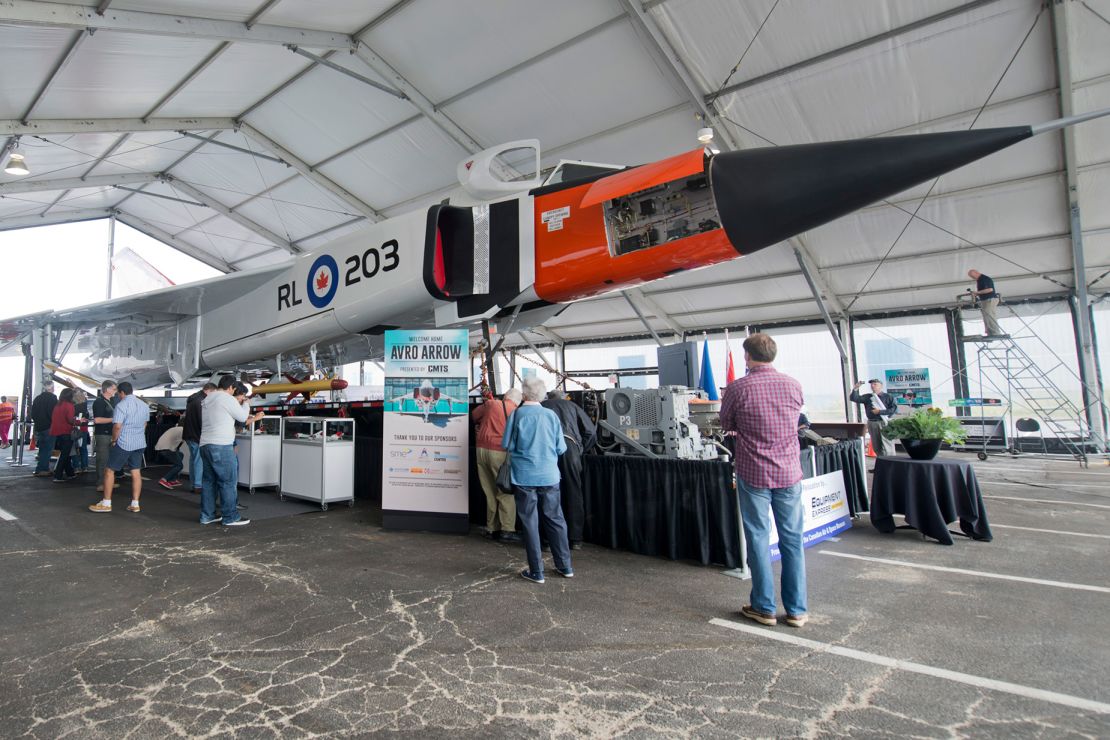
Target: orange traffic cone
870, 449
32, 445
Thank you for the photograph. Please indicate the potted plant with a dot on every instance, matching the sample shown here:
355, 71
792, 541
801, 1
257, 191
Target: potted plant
923, 431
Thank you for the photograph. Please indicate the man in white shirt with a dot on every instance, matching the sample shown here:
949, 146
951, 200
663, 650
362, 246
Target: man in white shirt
221, 411
168, 449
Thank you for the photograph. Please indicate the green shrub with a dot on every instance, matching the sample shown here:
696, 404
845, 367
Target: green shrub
928, 423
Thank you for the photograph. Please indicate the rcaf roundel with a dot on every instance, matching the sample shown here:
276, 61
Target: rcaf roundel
323, 277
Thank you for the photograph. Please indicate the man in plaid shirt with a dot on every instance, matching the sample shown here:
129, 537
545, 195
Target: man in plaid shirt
762, 408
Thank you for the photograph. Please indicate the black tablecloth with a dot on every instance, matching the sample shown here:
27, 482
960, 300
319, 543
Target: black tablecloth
931, 493
846, 456
680, 509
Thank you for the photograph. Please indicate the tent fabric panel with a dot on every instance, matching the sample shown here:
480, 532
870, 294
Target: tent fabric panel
241, 74
407, 163
326, 111
121, 75
706, 34
602, 82
292, 212
850, 96
472, 46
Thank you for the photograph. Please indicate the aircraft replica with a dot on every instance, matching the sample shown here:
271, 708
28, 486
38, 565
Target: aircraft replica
526, 253
427, 400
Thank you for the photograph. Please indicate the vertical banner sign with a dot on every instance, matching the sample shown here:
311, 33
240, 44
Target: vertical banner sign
825, 503
910, 386
426, 430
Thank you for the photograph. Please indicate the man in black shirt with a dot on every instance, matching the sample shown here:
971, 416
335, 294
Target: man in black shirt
191, 433
42, 412
879, 407
103, 408
580, 434
988, 302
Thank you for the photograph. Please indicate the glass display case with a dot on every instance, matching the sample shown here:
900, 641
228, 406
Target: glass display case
258, 447
318, 459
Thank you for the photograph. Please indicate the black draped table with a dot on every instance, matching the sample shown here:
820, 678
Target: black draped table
680, 509
930, 493
846, 455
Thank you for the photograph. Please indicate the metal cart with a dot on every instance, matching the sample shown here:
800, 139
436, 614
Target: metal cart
258, 447
318, 459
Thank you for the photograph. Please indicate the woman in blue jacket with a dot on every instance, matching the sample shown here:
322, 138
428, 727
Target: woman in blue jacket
534, 440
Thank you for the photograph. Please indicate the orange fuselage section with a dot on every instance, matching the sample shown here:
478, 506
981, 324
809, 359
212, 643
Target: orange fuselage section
575, 254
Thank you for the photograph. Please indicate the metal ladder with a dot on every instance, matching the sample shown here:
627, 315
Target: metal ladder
1056, 412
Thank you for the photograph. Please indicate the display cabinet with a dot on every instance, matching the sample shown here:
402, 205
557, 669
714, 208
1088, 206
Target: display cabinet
318, 459
258, 447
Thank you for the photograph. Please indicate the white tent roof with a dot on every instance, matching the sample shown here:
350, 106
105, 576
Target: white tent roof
214, 126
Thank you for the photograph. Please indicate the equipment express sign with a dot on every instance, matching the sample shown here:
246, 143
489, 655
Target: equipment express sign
825, 503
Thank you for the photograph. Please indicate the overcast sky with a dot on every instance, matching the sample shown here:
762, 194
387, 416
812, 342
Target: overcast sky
56, 267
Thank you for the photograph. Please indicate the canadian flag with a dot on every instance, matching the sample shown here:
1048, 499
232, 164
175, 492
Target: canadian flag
730, 369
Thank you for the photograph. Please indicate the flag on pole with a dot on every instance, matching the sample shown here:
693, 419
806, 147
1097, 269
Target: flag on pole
707, 383
730, 369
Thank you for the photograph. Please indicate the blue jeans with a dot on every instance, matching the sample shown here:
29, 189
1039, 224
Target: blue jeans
786, 503
176, 461
80, 453
220, 479
46, 451
196, 464
536, 503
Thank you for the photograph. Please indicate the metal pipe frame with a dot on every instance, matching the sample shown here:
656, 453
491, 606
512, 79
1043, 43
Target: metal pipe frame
75, 183
80, 17
1084, 341
643, 319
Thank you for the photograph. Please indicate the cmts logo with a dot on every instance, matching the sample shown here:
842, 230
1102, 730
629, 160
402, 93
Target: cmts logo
323, 279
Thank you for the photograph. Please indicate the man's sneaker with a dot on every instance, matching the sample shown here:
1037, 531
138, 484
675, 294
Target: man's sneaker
174, 483
196, 490
165, 483
217, 520
797, 620
100, 508
761, 617
57, 480
41, 473
134, 507
530, 576
509, 537
238, 523
566, 573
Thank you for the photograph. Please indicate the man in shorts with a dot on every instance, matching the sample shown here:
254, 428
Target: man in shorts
128, 444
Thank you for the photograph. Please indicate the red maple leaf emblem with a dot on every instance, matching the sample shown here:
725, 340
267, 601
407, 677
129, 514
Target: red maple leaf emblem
322, 280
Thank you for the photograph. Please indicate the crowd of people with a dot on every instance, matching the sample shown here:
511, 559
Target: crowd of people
529, 454
118, 421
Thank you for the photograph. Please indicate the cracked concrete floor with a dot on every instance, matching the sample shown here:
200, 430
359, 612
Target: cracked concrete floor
322, 624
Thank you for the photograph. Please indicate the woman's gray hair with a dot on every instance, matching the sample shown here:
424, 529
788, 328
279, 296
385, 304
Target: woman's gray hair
513, 394
534, 389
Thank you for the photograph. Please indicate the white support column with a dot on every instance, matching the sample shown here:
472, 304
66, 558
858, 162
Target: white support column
1092, 394
111, 255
